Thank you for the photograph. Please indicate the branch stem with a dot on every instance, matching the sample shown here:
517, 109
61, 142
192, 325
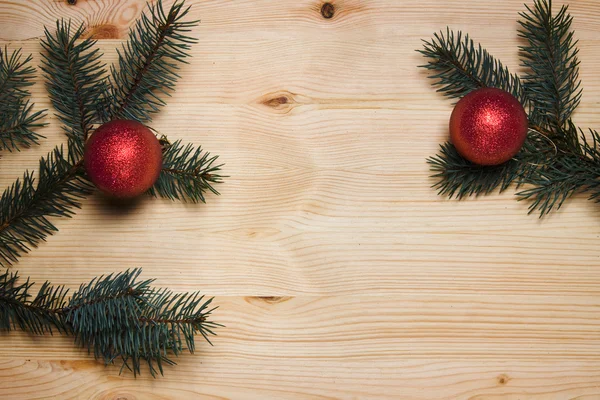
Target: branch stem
72, 173
147, 63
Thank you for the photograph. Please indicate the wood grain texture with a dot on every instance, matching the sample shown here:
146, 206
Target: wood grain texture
339, 273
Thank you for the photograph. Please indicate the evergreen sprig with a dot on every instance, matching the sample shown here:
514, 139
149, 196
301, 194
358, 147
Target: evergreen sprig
148, 62
187, 173
18, 311
26, 208
567, 173
75, 78
16, 74
554, 163
460, 178
459, 66
115, 317
552, 77
18, 121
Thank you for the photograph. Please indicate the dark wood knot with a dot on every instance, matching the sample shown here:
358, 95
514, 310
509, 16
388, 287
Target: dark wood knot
327, 10
503, 379
281, 101
71, 2
276, 102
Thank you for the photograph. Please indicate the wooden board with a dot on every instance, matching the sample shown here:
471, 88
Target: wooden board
339, 273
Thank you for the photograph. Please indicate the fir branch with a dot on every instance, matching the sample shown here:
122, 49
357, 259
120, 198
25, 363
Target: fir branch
17, 125
16, 74
25, 208
567, 173
552, 81
75, 78
12, 302
119, 317
187, 173
180, 315
37, 316
149, 61
17, 119
460, 178
164, 323
459, 66
106, 302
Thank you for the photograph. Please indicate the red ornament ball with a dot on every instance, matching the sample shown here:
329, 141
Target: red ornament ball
488, 126
123, 158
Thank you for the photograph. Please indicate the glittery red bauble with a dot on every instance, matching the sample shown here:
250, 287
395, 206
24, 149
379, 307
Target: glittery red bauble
123, 158
488, 126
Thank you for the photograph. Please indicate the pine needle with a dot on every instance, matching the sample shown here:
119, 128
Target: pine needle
18, 121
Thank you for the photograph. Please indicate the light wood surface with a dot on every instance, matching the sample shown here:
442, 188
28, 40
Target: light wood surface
339, 273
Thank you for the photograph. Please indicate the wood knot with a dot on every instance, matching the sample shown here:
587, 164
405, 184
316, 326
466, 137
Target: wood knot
327, 10
276, 102
273, 299
71, 2
502, 379
105, 31
268, 299
280, 101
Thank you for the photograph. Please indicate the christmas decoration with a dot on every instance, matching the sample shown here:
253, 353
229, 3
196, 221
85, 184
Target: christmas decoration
84, 96
123, 158
118, 316
488, 126
557, 159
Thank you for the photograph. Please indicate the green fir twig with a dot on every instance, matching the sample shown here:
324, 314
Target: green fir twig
552, 77
116, 317
27, 206
18, 121
75, 78
148, 62
459, 66
187, 173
